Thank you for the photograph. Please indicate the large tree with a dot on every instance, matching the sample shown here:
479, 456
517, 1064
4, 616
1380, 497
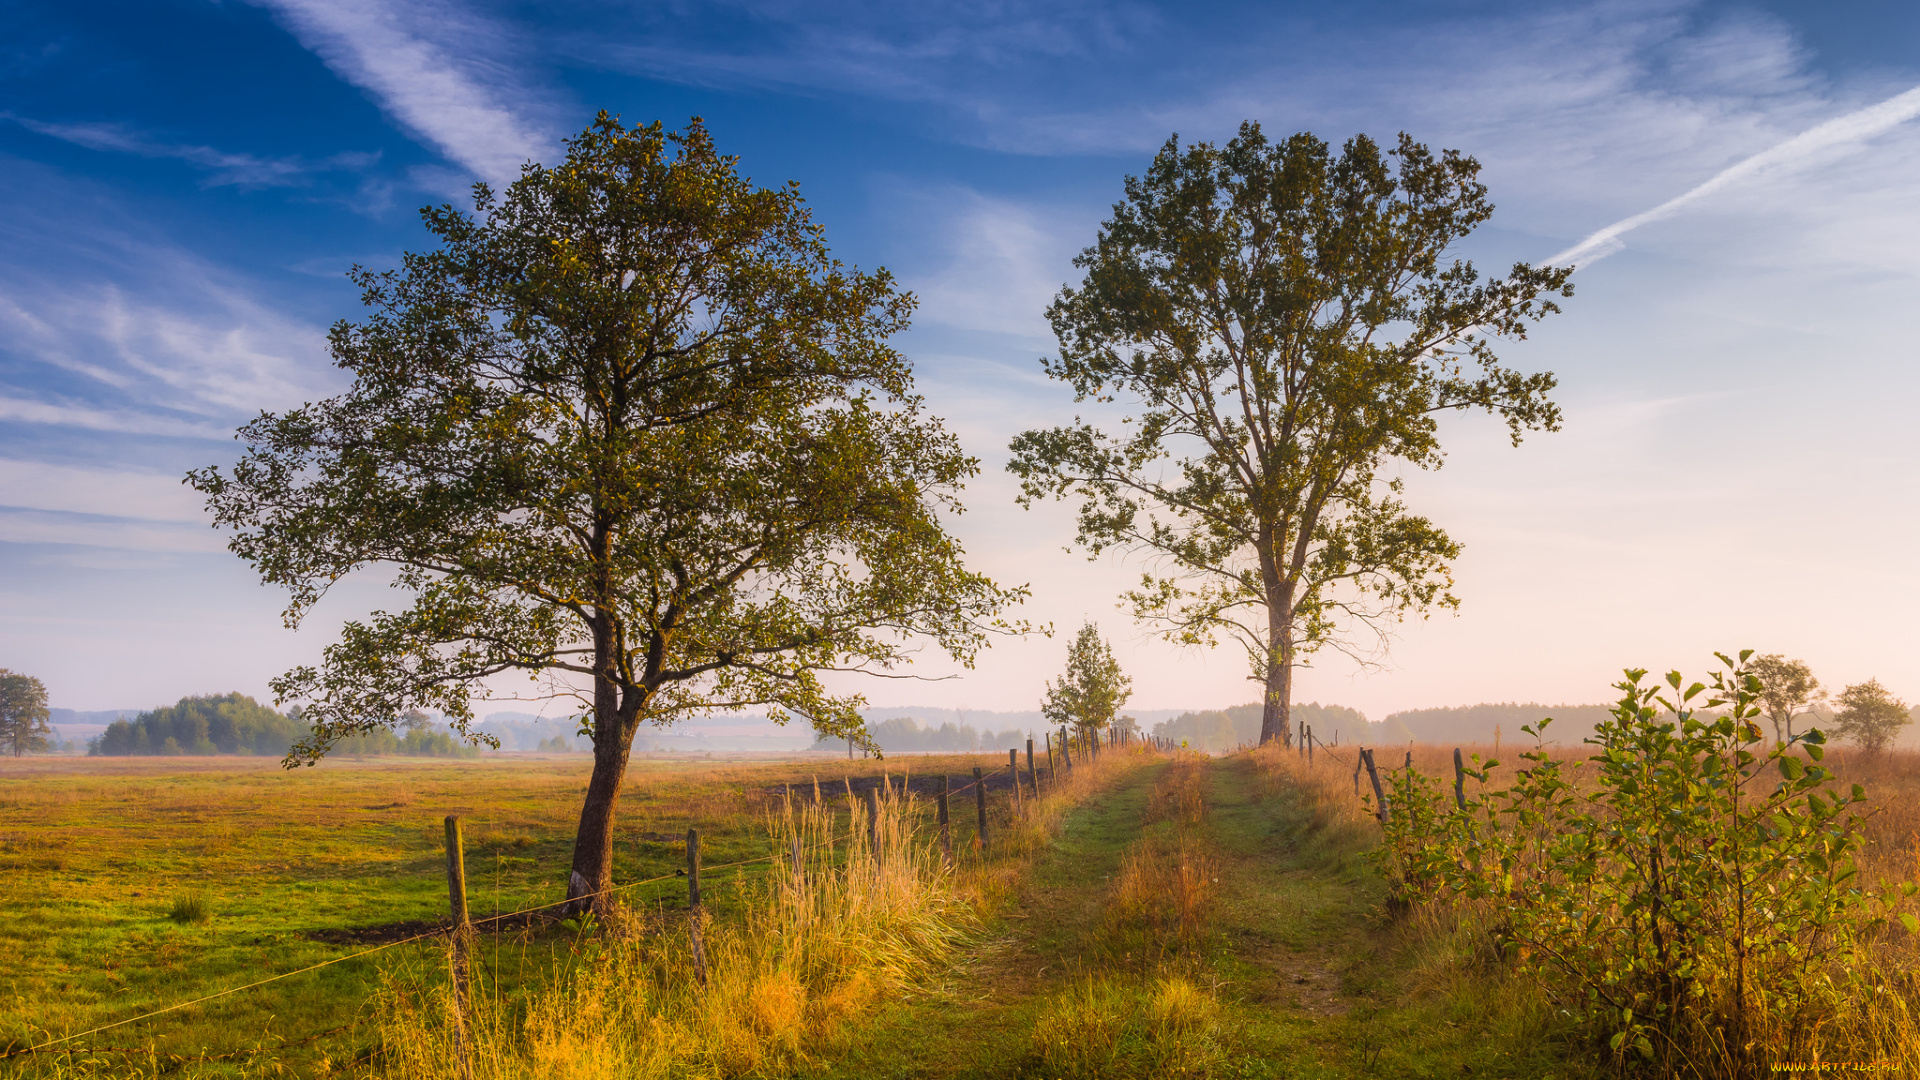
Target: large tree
1869, 716
23, 714
1787, 687
631, 432
1281, 323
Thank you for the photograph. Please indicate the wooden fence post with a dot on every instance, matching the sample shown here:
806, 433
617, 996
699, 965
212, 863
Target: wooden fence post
1379, 796
873, 823
693, 906
1033, 778
1359, 762
1309, 746
1459, 781
1013, 773
458, 939
980, 799
1066, 750
946, 829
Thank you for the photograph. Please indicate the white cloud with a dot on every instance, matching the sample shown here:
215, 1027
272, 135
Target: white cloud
149, 496
475, 111
984, 263
42, 527
227, 167
1803, 150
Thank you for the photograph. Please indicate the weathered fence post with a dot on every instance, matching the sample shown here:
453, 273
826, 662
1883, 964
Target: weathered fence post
1379, 795
1459, 781
946, 829
1053, 779
980, 800
1359, 762
459, 938
873, 823
1408, 764
1033, 778
1309, 746
1066, 750
693, 906
1013, 774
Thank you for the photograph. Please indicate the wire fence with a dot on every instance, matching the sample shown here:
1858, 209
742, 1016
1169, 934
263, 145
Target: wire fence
438, 932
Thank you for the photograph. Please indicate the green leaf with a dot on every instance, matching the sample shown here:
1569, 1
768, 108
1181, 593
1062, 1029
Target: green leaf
1907, 920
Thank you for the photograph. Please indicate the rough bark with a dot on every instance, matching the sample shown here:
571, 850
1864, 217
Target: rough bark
1276, 714
593, 843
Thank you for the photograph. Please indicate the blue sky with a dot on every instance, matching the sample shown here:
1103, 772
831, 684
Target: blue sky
185, 182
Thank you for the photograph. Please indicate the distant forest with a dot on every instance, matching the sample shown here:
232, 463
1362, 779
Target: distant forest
904, 735
1224, 729
237, 724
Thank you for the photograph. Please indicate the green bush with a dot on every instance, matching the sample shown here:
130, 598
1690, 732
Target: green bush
1688, 894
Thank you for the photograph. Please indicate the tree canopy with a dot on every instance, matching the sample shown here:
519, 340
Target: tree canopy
1089, 694
1869, 716
630, 432
1787, 687
23, 714
1281, 322
204, 724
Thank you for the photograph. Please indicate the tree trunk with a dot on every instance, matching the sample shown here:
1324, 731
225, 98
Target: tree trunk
1276, 714
592, 872
615, 720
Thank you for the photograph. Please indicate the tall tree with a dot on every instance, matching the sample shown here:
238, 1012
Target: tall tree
1281, 323
23, 714
1787, 687
630, 432
1869, 716
1092, 689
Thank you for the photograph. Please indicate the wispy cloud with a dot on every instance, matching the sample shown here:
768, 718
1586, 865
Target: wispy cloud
1803, 149
225, 167
474, 110
119, 493
982, 263
41, 527
108, 326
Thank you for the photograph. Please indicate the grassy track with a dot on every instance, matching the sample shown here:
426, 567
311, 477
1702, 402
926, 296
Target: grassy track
1309, 977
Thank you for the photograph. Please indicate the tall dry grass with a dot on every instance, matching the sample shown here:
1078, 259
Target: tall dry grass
1147, 1012
808, 949
1879, 1020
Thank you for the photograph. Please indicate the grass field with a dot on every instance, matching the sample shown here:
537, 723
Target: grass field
303, 866
1175, 916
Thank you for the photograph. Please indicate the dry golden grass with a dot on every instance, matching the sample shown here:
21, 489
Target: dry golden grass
1881, 1022
806, 950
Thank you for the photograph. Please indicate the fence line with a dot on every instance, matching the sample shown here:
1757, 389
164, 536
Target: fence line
438, 932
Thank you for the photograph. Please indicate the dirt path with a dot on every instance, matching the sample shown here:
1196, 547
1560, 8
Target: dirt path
1309, 979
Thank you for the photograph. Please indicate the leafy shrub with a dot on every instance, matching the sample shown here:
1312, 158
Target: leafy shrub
1692, 897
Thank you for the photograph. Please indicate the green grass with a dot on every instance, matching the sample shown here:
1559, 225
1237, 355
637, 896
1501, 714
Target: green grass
127, 886
1309, 977
97, 857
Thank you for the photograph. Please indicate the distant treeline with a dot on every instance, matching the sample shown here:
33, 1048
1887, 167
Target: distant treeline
905, 735
237, 724
1224, 729
1480, 723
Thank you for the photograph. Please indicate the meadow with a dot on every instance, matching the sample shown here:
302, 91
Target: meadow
129, 884
1165, 914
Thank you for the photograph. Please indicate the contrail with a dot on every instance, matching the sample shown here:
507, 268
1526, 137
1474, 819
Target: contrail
1853, 127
